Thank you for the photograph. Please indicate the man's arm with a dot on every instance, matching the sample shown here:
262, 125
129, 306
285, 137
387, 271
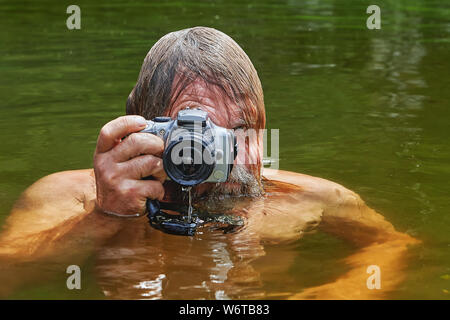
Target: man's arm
52, 226
346, 215
378, 243
51, 209
61, 219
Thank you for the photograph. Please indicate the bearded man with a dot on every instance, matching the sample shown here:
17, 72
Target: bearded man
67, 216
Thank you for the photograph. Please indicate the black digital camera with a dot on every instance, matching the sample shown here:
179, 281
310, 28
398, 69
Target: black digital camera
196, 150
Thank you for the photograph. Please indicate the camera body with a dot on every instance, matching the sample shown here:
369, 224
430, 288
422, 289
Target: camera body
196, 150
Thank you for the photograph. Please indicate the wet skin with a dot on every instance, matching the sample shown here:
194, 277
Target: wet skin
60, 220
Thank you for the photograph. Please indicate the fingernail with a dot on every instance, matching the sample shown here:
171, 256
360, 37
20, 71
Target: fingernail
141, 121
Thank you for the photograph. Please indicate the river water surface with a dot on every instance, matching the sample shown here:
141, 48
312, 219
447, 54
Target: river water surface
368, 109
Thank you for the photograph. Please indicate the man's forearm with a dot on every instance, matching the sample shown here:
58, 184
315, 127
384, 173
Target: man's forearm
390, 257
32, 257
78, 234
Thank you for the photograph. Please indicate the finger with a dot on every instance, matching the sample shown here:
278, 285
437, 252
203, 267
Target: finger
152, 189
118, 128
137, 144
144, 166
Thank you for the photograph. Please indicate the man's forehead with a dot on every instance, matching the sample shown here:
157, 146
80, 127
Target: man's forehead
211, 98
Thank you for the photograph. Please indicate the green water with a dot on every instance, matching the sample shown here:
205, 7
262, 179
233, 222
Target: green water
365, 108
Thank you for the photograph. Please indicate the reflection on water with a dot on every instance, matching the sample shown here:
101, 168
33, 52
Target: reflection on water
216, 263
368, 109
143, 263
400, 62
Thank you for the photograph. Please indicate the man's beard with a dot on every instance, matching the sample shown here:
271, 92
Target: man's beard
241, 183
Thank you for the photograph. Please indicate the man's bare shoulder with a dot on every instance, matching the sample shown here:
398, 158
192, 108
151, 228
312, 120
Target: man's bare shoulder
340, 205
325, 190
50, 200
60, 187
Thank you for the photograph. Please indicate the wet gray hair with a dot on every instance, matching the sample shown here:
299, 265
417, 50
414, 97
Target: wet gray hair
192, 53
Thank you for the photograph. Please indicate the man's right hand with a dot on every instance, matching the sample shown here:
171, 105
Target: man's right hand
120, 164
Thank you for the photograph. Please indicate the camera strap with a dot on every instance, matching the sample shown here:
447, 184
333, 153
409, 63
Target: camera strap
169, 223
177, 224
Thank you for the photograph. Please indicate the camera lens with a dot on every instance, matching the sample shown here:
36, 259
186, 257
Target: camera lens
189, 160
